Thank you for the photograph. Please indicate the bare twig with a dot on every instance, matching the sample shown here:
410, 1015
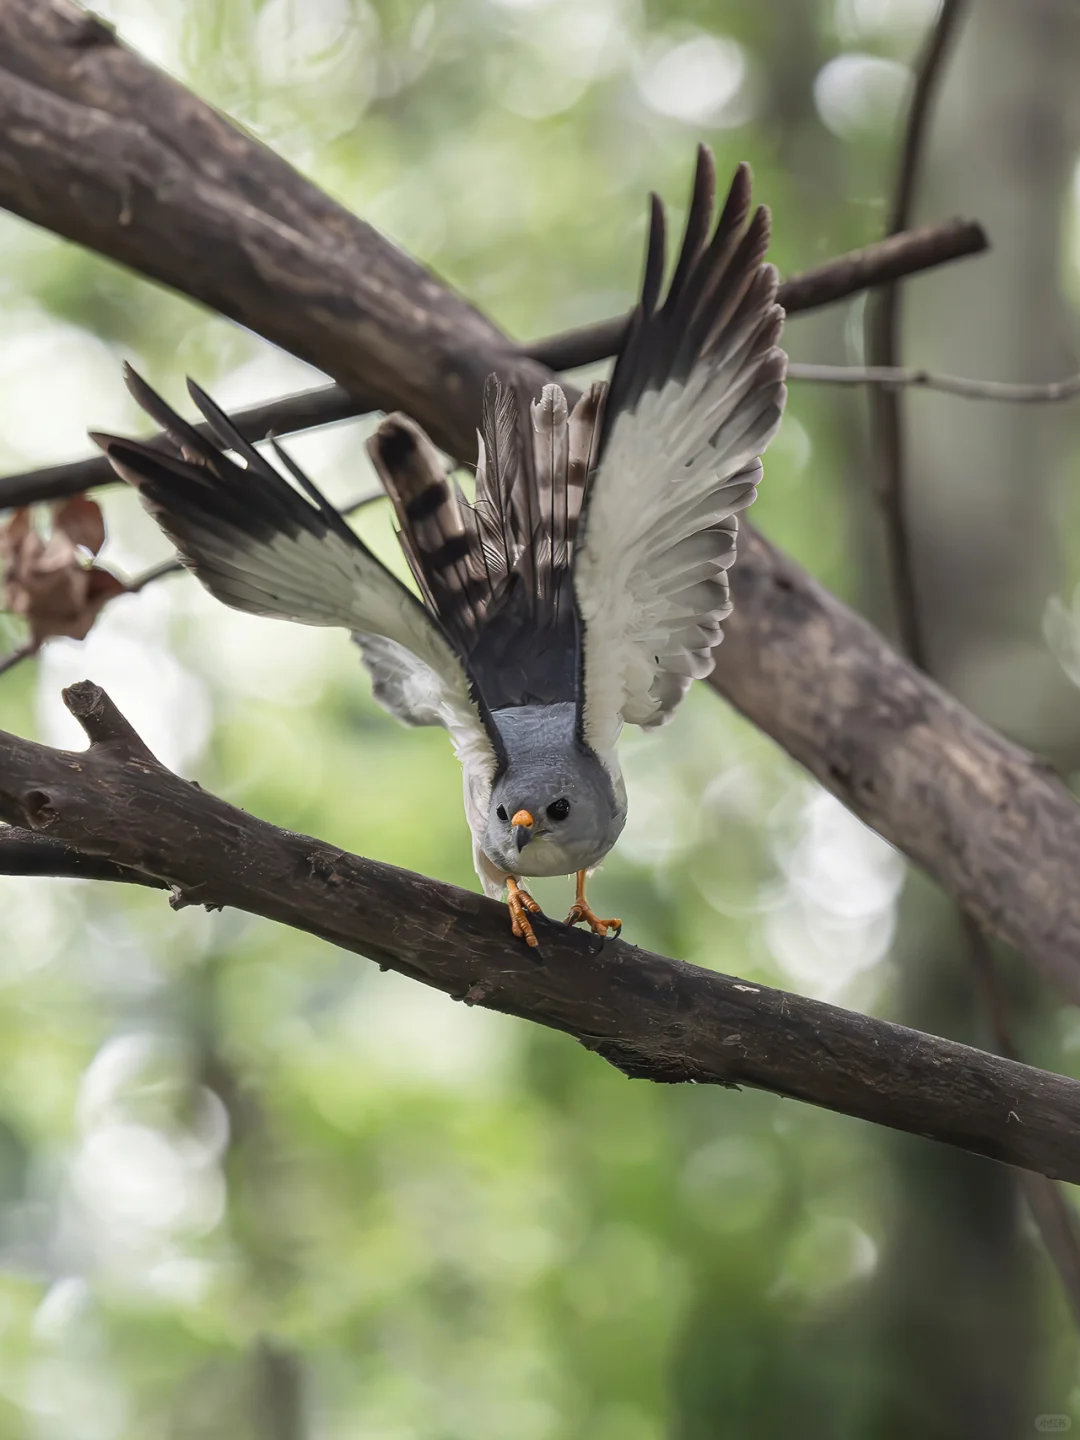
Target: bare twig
1048, 1207
906, 377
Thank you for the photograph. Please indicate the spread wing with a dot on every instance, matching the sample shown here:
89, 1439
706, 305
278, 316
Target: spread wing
258, 545
696, 395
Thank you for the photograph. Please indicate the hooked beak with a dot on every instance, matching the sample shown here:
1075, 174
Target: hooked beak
523, 829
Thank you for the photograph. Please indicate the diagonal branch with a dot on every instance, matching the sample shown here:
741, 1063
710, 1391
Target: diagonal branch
653, 1017
109, 151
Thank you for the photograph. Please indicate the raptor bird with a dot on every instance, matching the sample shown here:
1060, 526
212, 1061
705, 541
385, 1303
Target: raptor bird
581, 589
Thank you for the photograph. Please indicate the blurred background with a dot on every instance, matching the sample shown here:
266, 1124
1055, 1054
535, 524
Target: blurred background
250, 1186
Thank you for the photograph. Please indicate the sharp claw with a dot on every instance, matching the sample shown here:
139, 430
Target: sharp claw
524, 931
579, 913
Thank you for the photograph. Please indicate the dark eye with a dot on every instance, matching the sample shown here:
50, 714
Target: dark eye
501, 812
558, 809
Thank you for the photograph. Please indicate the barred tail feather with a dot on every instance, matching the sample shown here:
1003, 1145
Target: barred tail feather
433, 534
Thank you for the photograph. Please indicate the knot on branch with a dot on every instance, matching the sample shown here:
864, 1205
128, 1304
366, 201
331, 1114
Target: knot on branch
38, 809
104, 725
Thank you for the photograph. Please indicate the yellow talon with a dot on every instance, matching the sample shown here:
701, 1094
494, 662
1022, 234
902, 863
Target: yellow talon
581, 911
521, 903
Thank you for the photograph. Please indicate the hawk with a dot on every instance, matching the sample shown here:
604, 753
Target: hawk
583, 586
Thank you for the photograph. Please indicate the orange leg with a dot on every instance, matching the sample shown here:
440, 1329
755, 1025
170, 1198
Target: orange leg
521, 904
580, 911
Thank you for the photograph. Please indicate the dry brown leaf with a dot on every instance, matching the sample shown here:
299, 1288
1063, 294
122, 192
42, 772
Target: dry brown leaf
52, 584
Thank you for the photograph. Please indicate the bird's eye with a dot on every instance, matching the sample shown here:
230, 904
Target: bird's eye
501, 812
558, 809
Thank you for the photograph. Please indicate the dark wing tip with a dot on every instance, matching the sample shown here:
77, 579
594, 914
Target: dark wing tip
654, 256
741, 189
736, 205
123, 455
200, 397
705, 179
140, 391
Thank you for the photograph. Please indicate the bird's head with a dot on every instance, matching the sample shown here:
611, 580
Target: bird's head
550, 818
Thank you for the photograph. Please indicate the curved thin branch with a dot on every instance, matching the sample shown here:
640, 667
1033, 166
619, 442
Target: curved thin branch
652, 1017
883, 338
906, 377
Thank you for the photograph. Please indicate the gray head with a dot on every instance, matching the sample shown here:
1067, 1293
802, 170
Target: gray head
554, 809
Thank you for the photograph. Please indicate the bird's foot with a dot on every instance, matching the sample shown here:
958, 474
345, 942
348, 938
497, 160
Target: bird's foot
580, 911
521, 905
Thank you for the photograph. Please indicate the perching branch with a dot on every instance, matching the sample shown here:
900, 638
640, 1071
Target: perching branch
652, 1017
907, 254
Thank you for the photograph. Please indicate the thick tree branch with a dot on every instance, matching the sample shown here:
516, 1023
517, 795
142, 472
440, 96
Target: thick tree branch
105, 149
26, 852
835, 280
654, 1018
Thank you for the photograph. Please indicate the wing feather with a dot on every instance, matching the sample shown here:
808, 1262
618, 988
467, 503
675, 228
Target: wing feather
258, 545
695, 397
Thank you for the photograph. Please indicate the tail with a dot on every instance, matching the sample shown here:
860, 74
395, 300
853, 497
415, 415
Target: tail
516, 539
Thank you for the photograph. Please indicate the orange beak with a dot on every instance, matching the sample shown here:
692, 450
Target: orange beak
523, 827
